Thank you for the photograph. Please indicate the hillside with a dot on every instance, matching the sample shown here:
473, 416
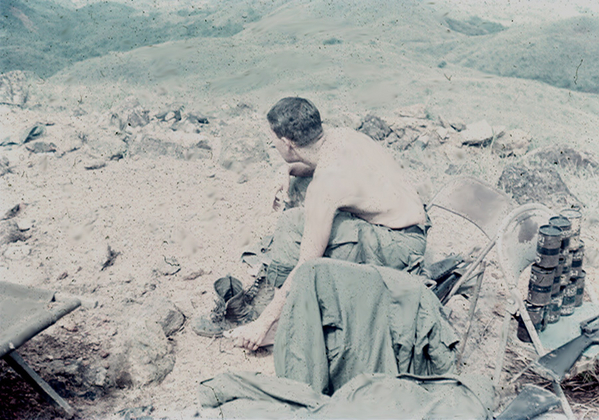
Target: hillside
564, 54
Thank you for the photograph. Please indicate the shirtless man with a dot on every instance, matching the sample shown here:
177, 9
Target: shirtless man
355, 179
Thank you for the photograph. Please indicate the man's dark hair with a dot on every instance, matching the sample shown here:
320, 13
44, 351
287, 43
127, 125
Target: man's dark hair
296, 119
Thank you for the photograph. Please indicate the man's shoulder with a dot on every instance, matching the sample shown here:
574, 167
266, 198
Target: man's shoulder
343, 132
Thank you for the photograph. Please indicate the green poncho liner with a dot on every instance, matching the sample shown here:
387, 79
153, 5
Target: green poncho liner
252, 395
342, 319
374, 338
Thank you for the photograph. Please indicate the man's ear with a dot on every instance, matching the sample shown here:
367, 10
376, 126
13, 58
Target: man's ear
288, 143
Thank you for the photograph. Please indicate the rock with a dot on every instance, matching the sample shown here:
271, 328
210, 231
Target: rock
237, 153
69, 368
477, 134
13, 211
197, 119
32, 133
402, 139
94, 164
563, 156
413, 111
164, 313
142, 355
41, 147
169, 115
458, 126
103, 146
10, 232
168, 266
444, 133
130, 114
375, 128
14, 88
195, 274
152, 147
513, 143
95, 376
536, 184
24, 224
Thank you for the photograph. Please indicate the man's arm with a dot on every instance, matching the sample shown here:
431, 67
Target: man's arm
320, 211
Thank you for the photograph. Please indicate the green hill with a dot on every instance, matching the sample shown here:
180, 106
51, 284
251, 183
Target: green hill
44, 37
564, 54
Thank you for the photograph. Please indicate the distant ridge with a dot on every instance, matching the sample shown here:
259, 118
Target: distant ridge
564, 54
43, 37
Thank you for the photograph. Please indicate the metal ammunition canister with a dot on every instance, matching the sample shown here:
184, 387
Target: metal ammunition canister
579, 288
567, 267
564, 224
540, 285
537, 316
575, 217
577, 257
558, 275
549, 243
568, 300
553, 309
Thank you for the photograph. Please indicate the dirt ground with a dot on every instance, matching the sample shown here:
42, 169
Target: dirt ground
152, 209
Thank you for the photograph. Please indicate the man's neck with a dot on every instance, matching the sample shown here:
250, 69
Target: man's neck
310, 155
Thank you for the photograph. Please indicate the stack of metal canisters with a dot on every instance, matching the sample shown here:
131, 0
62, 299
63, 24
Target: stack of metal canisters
543, 285
572, 284
556, 284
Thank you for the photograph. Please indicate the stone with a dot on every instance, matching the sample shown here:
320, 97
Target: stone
512, 143
94, 164
143, 356
95, 376
24, 224
169, 115
13, 211
477, 134
103, 146
198, 119
153, 147
10, 232
41, 147
238, 153
375, 128
536, 185
403, 138
413, 111
164, 313
32, 133
129, 114
564, 156
168, 266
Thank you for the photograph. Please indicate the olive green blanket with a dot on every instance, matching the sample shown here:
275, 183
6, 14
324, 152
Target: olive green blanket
356, 340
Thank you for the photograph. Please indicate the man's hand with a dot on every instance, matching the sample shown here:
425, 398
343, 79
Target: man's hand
281, 193
253, 335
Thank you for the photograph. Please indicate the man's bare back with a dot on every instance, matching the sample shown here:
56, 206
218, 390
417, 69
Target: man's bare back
363, 178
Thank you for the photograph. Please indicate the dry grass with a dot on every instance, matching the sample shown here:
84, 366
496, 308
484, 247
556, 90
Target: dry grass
581, 390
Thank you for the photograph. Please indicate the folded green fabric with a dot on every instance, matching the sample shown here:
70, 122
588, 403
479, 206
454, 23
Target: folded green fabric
343, 319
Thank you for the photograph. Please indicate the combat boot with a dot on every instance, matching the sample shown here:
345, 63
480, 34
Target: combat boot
231, 309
